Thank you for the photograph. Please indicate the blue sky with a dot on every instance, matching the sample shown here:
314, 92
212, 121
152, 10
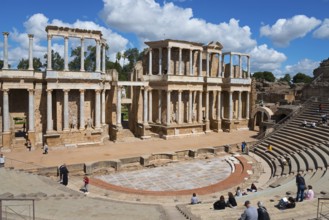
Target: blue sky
282, 36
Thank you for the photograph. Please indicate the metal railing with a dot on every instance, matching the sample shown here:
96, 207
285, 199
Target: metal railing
323, 208
17, 208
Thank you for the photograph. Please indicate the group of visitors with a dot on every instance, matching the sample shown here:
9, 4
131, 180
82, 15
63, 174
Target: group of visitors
251, 213
222, 204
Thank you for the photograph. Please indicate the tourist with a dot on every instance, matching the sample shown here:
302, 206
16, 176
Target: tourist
59, 173
220, 204
250, 213
65, 174
313, 125
2, 161
231, 202
320, 107
194, 199
309, 194
304, 123
269, 147
28, 144
300, 182
262, 212
86, 184
253, 188
285, 203
243, 145
238, 192
45, 148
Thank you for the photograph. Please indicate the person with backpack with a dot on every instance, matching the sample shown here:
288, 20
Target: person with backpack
262, 212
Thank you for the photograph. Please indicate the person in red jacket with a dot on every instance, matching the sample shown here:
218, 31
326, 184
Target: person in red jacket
86, 182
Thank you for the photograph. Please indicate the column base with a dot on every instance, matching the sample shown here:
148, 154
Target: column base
6, 140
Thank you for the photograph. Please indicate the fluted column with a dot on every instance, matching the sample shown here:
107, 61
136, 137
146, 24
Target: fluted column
82, 58
5, 118
207, 105
145, 109
31, 110
103, 58
248, 67
247, 105
98, 56
160, 106
169, 61
200, 107
231, 66
191, 62
150, 61
98, 109
230, 109
190, 107
150, 105
81, 109
66, 54
180, 61
103, 106
160, 61
168, 107
119, 106
207, 60
5, 50
179, 109
219, 106
30, 51
220, 64
240, 66
49, 65
66, 109
240, 106
49, 110
200, 63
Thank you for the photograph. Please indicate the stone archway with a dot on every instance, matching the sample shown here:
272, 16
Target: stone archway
260, 114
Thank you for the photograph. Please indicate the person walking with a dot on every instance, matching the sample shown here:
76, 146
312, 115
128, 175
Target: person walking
29, 144
45, 148
65, 175
2, 161
300, 182
86, 183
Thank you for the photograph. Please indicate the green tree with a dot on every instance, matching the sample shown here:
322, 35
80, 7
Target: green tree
57, 62
268, 76
24, 64
286, 78
301, 78
118, 57
1, 64
75, 63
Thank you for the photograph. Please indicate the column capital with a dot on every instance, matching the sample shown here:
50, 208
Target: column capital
5, 33
150, 49
49, 36
5, 90
66, 37
66, 90
180, 91
31, 90
97, 41
49, 90
30, 35
82, 90
98, 91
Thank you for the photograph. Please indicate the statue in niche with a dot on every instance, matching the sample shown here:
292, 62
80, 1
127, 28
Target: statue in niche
89, 123
123, 92
173, 117
193, 116
74, 122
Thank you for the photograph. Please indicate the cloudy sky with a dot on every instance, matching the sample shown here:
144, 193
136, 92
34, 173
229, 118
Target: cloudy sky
282, 36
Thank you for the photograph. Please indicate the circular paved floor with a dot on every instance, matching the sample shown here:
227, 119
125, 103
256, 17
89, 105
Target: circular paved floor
184, 175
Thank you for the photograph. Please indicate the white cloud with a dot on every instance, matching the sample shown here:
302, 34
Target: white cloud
266, 59
286, 30
323, 31
151, 21
305, 66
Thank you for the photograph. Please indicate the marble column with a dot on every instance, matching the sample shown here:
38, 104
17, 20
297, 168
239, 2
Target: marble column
103, 106
190, 106
5, 50
160, 61
219, 106
169, 61
98, 109
49, 65
82, 58
30, 52
230, 106
200, 63
145, 105
240, 66
168, 107
150, 61
6, 117
231, 67
150, 106
179, 109
191, 62
160, 106
66, 54
66, 109
82, 109
119, 88
98, 56
207, 105
207, 60
49, 110
247, 105
240, 106
220, 64
248, 67
180, 61
200, 107
31, 110
103, 58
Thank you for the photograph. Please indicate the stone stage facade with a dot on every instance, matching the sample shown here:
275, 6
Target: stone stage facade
180, 88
